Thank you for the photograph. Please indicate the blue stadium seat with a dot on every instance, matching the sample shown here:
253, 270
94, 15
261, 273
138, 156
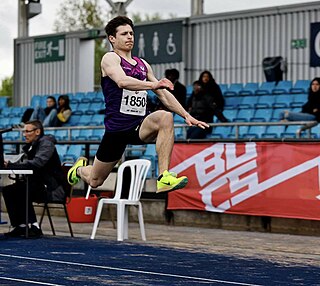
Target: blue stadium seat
282, 101
265, 101
282, 87
84, 134
85, 120
232, 102
74, 133
266, 88
50, 132
99, 97
73, 120
3, 101
276, 114
73, 153
35, 101
274, 131
299, 99
62, 150
6, 111
17, 111
11, 136
249, 89
248, 101
242, 130
5, 122
61, 134
220, 132
255, 132
231, 114
290, 131
244, 115
74, 106
97, 134
233, 89
82, 97
43, 101
93, 150
15, 120
316, 131
301, 86
97, 120
189, 89
223, 87
74, 99
82, 108
135, 151
262, 115
179, 133
94, 108
151, 154
91, 95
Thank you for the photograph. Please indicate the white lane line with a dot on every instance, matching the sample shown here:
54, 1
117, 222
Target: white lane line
29, 281
127, 270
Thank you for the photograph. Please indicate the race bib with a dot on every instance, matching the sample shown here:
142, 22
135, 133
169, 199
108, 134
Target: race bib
133, 102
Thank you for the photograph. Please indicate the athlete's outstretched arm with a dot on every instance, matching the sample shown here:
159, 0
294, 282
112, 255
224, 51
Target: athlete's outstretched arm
168, 99
110, 66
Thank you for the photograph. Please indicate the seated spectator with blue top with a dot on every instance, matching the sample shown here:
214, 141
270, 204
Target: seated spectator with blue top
310, 110
53, 116
46, 115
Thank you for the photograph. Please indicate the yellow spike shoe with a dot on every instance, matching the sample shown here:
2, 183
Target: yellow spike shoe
169, 182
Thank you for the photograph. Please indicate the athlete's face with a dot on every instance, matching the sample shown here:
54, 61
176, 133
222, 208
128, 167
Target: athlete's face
124, 39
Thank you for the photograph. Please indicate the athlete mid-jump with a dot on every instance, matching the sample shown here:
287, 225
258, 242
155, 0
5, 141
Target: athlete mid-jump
125, 80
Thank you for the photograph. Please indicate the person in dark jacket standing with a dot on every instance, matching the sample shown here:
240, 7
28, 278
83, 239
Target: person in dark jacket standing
46, 184
209, 86
200, 106
310, 110
179, 90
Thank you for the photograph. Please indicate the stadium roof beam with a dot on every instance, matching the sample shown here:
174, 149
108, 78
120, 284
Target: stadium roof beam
119, 8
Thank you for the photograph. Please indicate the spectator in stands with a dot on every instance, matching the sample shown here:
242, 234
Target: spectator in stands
45, 115
179, 90
64, 111
200, 107
210, 87
125, 80
310, 110
51, 116
46, 183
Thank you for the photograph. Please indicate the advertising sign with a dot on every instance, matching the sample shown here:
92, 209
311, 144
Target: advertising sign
264, 179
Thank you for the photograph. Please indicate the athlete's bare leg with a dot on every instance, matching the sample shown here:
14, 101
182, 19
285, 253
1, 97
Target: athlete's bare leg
96, 174
159, 126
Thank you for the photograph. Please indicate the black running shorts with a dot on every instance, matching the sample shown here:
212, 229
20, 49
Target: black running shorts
113, 144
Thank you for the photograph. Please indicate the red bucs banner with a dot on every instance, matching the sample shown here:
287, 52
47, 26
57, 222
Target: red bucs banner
270, 179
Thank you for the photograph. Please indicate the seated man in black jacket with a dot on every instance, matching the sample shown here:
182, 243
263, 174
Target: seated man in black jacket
46, 184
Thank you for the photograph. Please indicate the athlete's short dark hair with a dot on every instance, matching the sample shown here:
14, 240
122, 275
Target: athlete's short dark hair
111, 27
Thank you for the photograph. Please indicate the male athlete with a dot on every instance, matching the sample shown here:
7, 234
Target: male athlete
124, 82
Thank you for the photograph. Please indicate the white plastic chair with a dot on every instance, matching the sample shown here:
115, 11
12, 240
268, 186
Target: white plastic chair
139, 169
